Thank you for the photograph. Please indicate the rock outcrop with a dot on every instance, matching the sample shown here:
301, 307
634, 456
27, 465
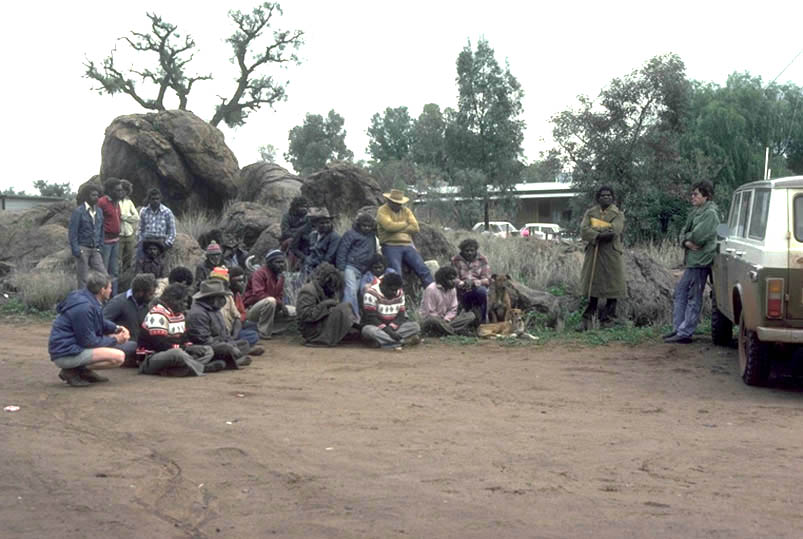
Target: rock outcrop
174, 150
343, 189
268, 184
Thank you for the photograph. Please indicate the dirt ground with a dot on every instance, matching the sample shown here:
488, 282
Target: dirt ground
440, 441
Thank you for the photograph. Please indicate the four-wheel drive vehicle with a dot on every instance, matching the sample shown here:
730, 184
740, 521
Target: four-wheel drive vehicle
758, 273
500, 229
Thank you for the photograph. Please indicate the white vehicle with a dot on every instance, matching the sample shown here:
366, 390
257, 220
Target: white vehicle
541, 231
500, 229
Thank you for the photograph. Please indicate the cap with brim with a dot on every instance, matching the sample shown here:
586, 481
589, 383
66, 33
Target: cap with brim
211, 288
396, 196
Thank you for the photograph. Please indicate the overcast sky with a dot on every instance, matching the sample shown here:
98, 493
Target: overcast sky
360, 57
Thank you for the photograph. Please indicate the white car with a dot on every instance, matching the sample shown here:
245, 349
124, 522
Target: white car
500, 229
541, 231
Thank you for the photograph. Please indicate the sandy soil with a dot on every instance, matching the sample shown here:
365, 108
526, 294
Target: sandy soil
439, 441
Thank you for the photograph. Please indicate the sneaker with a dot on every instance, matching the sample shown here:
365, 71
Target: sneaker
256, 351
680, 339
72, 378
91, 376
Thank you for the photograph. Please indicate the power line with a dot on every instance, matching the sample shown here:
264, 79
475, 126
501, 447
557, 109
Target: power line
787, 66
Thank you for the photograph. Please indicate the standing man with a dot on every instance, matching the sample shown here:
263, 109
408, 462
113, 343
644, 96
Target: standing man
86, 233
82, 340
129, 217
395, 226
156, 221
263, 296
699, 244
603, 274
110, 204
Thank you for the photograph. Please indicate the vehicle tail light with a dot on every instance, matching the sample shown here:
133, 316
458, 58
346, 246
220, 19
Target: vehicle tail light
774, 298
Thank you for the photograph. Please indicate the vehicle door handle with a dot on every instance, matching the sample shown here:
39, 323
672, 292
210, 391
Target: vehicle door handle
730, 250
739, 253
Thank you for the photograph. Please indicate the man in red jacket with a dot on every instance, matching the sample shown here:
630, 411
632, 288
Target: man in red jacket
110, 204
264, 297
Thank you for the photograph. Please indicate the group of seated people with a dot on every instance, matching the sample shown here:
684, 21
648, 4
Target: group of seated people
213, 319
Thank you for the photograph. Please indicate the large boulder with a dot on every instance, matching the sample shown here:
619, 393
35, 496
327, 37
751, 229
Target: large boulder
174, 150
343, 189
245, 222
57, 213
268, 184
26, 246
433, 245
267, 241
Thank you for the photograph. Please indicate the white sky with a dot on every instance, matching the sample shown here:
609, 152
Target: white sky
360, 57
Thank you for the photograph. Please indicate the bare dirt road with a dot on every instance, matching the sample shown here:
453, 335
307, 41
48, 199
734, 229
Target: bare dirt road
440, 441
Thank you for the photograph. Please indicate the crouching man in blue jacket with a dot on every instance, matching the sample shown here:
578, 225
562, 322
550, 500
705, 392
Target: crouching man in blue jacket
81, 340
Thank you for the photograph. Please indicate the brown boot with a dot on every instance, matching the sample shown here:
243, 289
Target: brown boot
72, 378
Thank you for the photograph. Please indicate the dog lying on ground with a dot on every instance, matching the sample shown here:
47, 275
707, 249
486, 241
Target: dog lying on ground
509, 328
499, 303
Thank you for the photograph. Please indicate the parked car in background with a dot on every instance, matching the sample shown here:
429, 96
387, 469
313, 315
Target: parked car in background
758, 274
500, 229
541, 231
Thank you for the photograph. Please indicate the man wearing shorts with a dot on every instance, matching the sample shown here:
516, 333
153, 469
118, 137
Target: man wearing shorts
81, 340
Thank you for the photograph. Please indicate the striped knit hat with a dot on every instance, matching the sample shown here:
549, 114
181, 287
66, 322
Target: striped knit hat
214, 248
219, 272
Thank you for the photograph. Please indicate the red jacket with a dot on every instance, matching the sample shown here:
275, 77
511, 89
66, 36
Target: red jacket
111, 218
263, 284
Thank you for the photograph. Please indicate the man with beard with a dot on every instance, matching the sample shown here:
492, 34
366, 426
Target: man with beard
237, 283
473, 278
384, 313
354, 256
438, 311
86, 233
322, 318
205, 325
163, 345
128, 308
603, 273
231, 315
264, 296
323, 241
293, 222
213, 259
82, 340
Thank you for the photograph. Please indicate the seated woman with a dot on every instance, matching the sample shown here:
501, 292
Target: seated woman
473, 278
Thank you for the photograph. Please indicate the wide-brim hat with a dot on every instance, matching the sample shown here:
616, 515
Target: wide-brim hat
211, 288
397, 196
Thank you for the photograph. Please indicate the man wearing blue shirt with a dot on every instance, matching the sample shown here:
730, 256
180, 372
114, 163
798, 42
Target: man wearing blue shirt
86, 234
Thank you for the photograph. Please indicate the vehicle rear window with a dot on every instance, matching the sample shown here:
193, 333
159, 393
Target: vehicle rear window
799, 218
761, 207
744, 214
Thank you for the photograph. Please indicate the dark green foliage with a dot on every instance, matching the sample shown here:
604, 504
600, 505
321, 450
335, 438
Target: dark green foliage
316, 142
390, 135
53, 189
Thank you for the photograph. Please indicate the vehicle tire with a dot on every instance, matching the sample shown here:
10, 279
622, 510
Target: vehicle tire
721, 328
754, 365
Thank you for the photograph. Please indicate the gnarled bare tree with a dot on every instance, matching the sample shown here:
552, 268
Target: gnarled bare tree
251, 51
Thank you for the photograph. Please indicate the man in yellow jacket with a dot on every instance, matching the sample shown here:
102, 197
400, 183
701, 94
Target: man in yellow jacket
395, 226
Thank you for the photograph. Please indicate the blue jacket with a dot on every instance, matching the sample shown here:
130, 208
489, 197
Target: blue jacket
322, 250
355, 250
82, 232
79, 325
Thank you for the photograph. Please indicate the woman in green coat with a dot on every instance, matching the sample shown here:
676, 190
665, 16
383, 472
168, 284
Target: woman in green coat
603, 274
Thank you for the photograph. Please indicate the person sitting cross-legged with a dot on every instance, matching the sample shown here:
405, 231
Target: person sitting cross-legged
205, 325
438, 308
232, 317
322, 318
473, 278
163, 345
264, 295
385, 317
81, 340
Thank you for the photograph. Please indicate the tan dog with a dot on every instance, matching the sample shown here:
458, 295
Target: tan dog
514, 327
499, 303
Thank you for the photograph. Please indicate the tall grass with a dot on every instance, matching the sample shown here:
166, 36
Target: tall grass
42, 291
196, 222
